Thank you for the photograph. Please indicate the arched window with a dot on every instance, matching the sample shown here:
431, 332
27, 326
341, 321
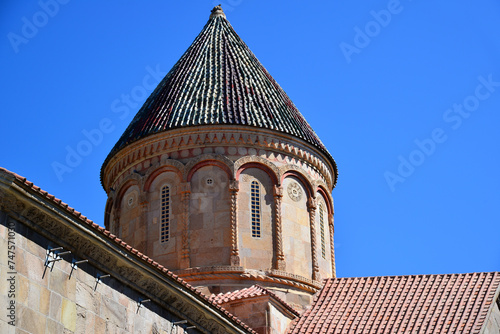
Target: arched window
255, 202
165, 214
322, 230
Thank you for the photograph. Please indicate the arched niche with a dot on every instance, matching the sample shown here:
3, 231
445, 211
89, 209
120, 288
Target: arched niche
165, 210
129, 226
255, 218
209, 160
296, 226
323, 237
258, 162
209, 215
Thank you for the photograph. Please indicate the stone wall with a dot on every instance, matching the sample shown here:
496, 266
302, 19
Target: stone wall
209, 218
56, 303
492, 323
168, 251
296, 231
256, 252
210, 171
262, 314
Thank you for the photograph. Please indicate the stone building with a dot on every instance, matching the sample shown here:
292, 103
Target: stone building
213, 166
219, 219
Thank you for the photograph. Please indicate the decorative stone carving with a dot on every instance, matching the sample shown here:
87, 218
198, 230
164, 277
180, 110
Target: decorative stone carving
332, 249
273, 276
229, 165
188, 139
233, 189
311, 204
280, 256
9, 202
274, 172
294, 191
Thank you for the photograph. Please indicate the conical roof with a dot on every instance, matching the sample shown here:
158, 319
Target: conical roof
218, 81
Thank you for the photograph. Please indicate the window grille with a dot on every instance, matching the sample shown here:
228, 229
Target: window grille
255, 202
322, 230
165, 214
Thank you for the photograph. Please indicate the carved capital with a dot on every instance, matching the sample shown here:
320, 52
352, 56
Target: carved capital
234, 186
235, 260
311, 203
281, 264
185, 188
330, 219
278, 191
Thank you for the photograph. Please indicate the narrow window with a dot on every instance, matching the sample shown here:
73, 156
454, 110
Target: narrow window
165, 214
322, 230
255, 202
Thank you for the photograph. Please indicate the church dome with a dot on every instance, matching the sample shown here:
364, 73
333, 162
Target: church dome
218, 81
220, 179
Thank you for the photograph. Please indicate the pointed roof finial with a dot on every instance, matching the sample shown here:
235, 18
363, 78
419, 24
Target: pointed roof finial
217, 11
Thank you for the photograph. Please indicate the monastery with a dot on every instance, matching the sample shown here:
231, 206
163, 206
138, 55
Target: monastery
219, 219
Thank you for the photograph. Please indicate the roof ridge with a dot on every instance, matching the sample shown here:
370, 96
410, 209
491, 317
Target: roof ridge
240, 294
412, 275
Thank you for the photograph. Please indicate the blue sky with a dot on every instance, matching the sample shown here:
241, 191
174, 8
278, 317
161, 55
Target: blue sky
404, 94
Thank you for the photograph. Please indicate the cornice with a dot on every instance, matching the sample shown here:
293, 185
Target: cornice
272, 276
200, 137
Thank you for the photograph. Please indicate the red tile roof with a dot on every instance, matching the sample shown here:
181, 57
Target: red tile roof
455, 303
124, 245
251, 292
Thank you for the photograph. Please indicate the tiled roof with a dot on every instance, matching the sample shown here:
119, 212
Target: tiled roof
219, 81
455, 303
246, 293
122, 244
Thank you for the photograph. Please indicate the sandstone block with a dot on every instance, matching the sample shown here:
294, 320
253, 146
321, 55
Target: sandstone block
44, 300
6, 328
68, 314
30, 320
55, 306
54, 327
87, 298
113, 312
59, 282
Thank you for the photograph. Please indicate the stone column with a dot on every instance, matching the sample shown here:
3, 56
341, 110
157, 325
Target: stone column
311, 204
144, 245
278, 252
234, 187
185, 251
330, 224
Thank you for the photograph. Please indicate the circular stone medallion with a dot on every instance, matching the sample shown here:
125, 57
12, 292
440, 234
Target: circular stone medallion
294, 191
